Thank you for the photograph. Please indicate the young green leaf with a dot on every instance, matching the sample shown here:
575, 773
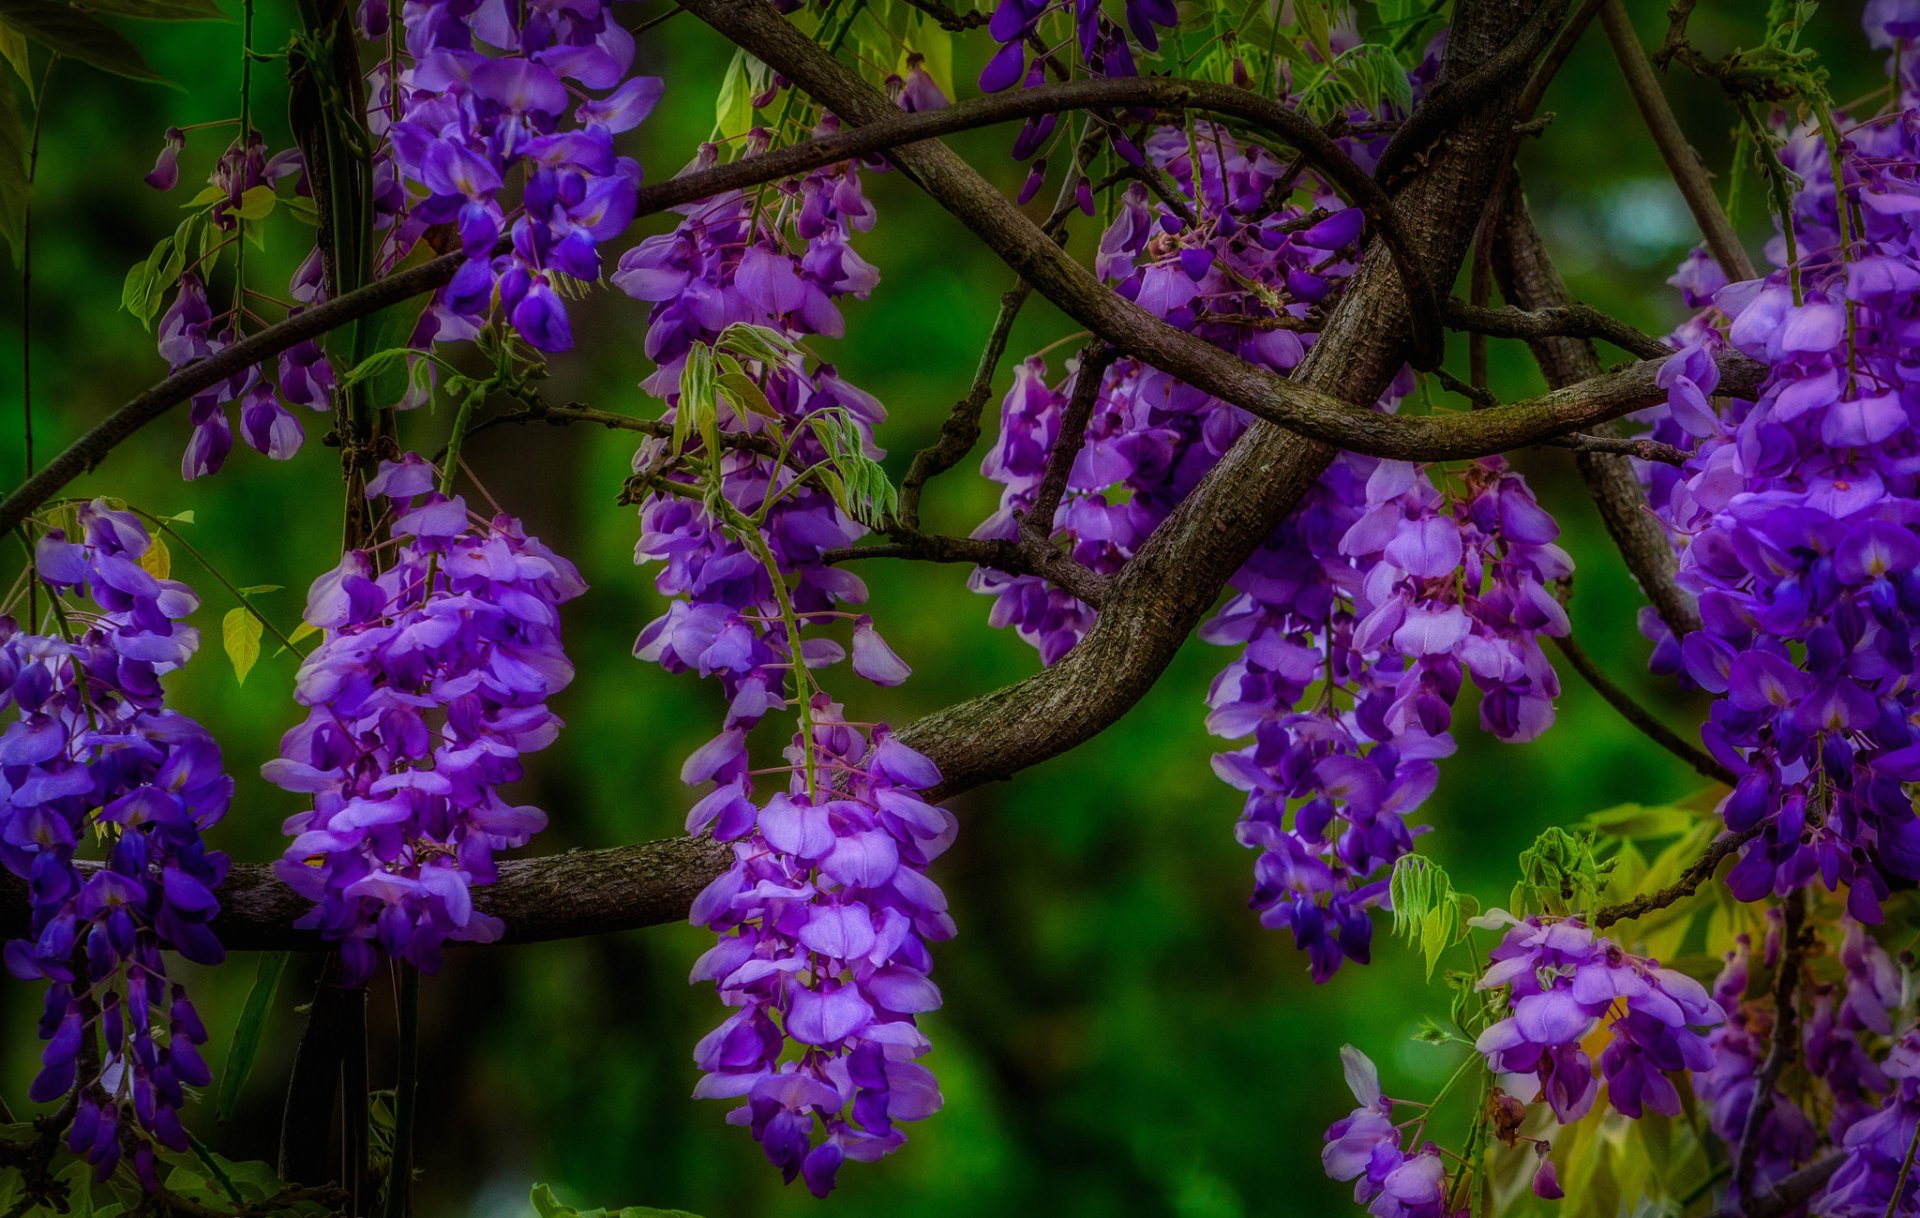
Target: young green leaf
240, 631
158, 560
248, 1032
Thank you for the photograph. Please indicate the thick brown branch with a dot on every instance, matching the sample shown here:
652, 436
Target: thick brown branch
1554, 321
1621, 446
1015, 558
886, 131
555, 897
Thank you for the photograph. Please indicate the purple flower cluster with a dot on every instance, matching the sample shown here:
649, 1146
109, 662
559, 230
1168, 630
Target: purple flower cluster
779, 266
1356, 629
191, 330
1152, 438
824, 920
91, 753
1795, 518
1376, 595
486, 94
1562, 982
1102, 43
1729, 1087
541, 104
431, 684
1365, 1147
1875, 1177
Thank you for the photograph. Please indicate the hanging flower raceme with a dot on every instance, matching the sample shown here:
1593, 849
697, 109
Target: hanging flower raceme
1794, 517
484, 95
91, 754
1562, 982
430, 686
1365, 1147
824, 921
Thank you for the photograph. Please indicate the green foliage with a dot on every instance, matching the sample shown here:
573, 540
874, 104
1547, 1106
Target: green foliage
247, 1033
1560, 874
161, 10
240, 632
145, 292
72, 33
1427, 912
858, 484
746, 78
546, 1205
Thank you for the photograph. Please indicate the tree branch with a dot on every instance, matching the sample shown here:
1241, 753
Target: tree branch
1791, 1192
887, 131
1689, 883
1781, 1049
1150, 608
1553, 321
1682, 161
1528, 279
1620, 700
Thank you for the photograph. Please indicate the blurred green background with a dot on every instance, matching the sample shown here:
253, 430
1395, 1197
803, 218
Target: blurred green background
1120, 1036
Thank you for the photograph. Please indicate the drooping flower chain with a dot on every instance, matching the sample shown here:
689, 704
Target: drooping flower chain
91, 753
430, 686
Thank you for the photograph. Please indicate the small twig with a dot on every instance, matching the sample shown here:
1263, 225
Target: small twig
1561, 321
661, 19
948, 19
961, 430
1047, 563
1626, 446
1790, 1192
1689, 882
1640, 717
1481, 397
1683, 163
1036, 525
1780, 1051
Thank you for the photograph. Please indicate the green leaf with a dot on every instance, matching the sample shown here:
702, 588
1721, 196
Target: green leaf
145, 292
746, 397
157, 561
253, 1022
753, 342
13, 48
161, 10
240, 630
261, 589
1560, 874
1427, 912
694, 413
857, 483
257, 203
72, 33
14, 187
733, 109
302, 631
1639, 820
